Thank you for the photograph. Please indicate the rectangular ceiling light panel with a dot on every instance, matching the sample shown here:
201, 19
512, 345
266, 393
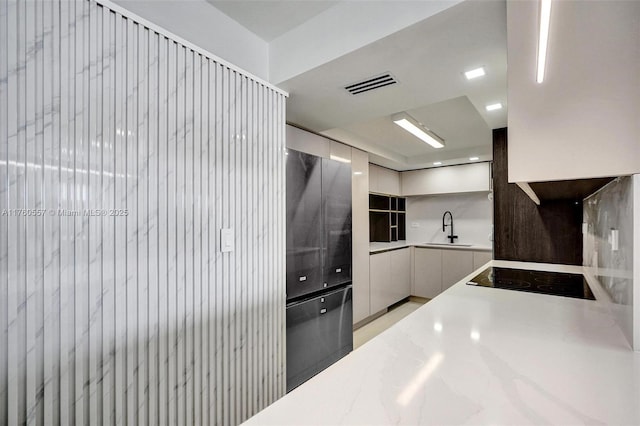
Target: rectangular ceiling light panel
475, 73
412, 126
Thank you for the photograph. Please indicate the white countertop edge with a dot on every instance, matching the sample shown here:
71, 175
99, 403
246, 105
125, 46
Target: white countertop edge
377, 247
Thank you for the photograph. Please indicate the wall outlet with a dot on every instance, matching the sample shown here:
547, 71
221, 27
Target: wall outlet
415, 225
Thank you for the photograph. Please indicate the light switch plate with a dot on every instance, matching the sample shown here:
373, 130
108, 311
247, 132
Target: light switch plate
614, 239
415, 225
227, 243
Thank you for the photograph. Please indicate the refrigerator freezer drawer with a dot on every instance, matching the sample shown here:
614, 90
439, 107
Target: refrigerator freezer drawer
319, 332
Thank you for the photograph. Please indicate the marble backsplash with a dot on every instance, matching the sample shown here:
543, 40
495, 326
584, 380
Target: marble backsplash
608, 216
472, 218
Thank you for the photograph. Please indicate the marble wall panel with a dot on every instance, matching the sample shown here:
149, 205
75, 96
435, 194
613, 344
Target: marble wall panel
607, 211
122, 155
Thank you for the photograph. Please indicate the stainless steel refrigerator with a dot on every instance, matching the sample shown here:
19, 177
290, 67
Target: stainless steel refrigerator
319, 312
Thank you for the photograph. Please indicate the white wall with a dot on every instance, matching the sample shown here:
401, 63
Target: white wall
584, 119
472, 218
135, 317
613, 208
207, 27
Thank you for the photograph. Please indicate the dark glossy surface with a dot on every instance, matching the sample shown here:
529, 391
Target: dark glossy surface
319, 332
304, 224
336, 196
555, 283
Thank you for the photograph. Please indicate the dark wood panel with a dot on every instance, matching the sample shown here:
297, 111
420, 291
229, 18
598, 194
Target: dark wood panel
576, 190
523, 231
379, 226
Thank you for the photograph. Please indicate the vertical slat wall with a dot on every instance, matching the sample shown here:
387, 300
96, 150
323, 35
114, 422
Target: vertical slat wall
122, 155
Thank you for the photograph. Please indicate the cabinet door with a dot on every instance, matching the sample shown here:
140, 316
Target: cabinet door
380, 280
304, 223
319, 332
447, 180
336, 195
480, 258
456, 264
373, 178
360, 214
427, 272
400, 274
388, 181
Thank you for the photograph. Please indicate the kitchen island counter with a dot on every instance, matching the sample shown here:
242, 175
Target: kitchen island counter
476, 355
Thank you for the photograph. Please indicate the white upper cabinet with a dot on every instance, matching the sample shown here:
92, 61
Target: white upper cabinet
583, 120
308, 142
383, 180
445, 180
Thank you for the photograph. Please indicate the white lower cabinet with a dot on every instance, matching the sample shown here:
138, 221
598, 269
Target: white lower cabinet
390, 278
427, 272
435, 270
456, 264
401, 273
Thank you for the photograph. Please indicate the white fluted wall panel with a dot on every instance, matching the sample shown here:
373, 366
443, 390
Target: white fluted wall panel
122, 155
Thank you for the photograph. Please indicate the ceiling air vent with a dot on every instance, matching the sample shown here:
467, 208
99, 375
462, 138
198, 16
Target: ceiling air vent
371, 83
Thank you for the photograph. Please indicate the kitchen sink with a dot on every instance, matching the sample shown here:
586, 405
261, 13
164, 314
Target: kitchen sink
447, 244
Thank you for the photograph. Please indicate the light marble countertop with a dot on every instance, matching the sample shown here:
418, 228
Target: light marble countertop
481, 356
376, 247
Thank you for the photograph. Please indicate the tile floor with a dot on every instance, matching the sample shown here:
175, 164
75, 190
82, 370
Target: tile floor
367, 332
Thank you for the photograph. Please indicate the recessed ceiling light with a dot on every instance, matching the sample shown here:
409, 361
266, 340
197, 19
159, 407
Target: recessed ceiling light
475, 73
474, 158
437, 163
408, 123
494, 107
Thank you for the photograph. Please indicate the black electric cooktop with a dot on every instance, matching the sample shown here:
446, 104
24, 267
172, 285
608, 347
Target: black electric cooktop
556, 283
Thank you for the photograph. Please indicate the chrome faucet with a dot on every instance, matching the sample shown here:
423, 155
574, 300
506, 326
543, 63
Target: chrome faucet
451, 237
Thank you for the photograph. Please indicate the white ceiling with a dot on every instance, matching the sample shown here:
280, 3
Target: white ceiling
428, 59
269, 19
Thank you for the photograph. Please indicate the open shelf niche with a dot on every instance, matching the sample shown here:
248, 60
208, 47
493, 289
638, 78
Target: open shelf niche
387, 218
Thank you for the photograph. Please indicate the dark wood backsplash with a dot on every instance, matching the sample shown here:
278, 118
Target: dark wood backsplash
524, 231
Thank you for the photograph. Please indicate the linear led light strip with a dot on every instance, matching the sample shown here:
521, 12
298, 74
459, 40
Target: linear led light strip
543, 41
410, 125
